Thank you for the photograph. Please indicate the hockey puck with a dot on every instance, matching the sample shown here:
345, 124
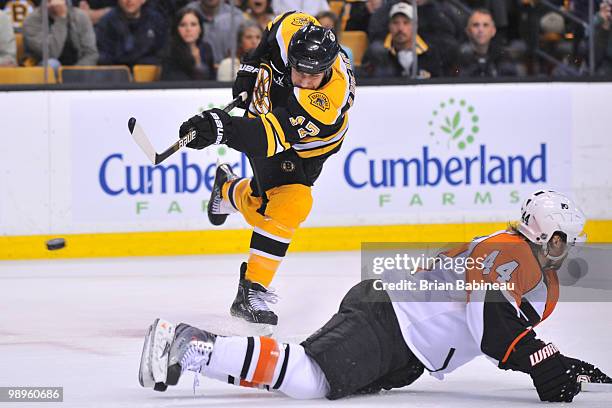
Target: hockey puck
56, 243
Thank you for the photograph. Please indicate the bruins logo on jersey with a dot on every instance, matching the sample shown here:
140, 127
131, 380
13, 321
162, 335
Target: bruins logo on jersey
261, 93
320, 100
301, 20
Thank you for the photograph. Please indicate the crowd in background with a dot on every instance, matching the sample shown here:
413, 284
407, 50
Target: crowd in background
195, 40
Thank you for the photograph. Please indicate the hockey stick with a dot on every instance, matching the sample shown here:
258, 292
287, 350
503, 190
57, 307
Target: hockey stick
144, 143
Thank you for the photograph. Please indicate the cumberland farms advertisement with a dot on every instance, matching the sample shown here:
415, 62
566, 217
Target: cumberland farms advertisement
411, 155
449, 153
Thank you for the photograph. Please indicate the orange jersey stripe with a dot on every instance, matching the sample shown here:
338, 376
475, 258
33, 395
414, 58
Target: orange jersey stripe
266, 364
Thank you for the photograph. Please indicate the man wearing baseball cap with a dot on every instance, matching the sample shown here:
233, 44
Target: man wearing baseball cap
395, 56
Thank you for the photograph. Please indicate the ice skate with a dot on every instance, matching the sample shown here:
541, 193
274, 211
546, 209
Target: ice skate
154, 358
169, 351
251, 304
219, 209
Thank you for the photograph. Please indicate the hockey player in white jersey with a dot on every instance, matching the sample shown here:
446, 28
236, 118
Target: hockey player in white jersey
377, 341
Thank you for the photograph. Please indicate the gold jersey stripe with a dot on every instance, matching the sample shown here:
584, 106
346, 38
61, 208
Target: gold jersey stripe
271, 23
309, 139
271, 150
279, 130
318, 152
319, 144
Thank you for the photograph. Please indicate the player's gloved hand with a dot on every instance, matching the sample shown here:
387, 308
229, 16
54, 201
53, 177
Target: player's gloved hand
588, 372
212, 127
245, 81
554, 375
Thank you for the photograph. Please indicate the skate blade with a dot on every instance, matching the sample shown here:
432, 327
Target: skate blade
595, 387
145, 377
155, 354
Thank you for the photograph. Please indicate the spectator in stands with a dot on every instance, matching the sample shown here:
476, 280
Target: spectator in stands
259, 11
395, 57
359, 15
168, 8
439, 24
330, 21
96, 9
249, 36
72, 40
8, 50
312, 7
131, 34
221, 24
188, 57
479, 56
603, 38
500, 10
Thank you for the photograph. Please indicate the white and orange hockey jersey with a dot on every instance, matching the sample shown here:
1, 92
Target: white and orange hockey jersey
448, 330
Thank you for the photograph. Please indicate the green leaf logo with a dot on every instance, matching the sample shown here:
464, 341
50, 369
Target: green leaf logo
453, 120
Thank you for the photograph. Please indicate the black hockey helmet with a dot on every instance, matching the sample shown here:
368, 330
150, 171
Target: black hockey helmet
313, 49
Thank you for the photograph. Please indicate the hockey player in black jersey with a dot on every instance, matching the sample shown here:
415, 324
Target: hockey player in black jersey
375, 342
300, 86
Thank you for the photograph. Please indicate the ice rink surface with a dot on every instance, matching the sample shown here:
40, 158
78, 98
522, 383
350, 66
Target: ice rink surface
80, 324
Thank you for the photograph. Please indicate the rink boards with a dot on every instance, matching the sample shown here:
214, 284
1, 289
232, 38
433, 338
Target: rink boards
419, 163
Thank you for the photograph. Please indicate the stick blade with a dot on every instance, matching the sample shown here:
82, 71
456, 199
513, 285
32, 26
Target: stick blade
595, 387
142, 140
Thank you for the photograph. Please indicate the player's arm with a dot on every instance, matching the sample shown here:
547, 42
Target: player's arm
554, 375
249, 63
260, 136
503, 327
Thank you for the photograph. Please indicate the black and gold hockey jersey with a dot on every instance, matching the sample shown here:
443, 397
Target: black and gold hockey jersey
311, 123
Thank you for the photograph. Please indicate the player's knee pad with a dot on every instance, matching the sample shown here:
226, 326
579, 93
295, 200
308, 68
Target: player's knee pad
290, 204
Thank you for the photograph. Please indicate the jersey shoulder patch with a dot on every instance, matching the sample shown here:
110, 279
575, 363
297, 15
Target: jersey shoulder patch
329, 103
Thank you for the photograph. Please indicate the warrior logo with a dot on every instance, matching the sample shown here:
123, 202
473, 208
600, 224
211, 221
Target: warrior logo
319, 100
543, 353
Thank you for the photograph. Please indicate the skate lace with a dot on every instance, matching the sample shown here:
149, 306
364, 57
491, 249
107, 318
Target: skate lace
259, 299
194, 359
217, 200
216, 204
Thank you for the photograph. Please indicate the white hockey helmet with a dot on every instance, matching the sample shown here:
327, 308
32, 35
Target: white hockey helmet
547, 212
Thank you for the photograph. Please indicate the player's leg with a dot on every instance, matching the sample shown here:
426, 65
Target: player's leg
287, 207
361, 348
264, 362
260, 362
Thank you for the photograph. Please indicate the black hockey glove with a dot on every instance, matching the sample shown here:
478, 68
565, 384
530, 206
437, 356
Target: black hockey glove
587, 372
554, 375
212, 127
245, 81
